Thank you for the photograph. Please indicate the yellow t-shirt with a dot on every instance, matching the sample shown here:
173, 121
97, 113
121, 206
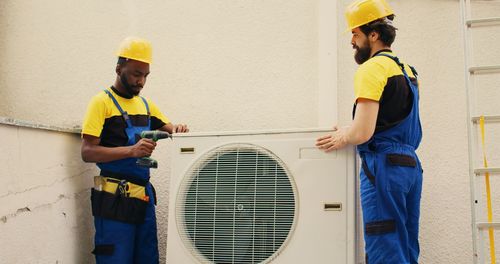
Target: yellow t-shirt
104, 120
381, 79
373, 76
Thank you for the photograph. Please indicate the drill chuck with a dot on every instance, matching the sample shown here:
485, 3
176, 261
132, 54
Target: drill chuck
155, 135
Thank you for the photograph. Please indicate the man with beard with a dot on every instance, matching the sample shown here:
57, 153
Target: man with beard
123, 199
386, 129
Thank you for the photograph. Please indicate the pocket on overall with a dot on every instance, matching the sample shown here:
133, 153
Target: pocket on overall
400, 170
368, 167
120, 200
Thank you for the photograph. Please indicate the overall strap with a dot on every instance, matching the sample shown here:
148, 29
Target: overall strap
124, 113
147, 109
146, 104
401, 65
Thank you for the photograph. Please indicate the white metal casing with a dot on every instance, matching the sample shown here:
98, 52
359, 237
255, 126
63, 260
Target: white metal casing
319, 235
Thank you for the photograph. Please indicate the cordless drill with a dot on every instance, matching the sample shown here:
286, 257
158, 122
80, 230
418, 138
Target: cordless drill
155, 135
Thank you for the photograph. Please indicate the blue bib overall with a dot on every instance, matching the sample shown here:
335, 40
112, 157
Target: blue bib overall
391, 186
118, 241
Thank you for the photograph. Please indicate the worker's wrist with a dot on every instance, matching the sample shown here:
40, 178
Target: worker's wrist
129, 152
346, 135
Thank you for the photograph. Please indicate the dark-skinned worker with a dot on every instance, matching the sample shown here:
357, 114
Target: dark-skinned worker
123, 199
386, 129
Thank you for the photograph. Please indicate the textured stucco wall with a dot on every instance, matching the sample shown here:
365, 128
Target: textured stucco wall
44, 214
219, 65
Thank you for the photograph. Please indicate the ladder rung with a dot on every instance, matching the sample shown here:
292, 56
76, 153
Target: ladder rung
470, 22
486, 225
485, 170
487, 119
484, 68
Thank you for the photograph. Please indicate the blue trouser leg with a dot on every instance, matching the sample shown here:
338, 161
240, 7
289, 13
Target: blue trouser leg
146, 240
132, 244
413, 205
390, 199
117, 234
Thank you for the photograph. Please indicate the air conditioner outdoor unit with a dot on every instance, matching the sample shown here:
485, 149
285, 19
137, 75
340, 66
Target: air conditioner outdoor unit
260, 197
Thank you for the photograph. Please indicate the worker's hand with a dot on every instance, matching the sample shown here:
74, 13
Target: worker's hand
336, 140
143, 148
181, 128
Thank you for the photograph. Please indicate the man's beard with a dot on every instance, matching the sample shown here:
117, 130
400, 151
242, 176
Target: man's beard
362, 53
128, 87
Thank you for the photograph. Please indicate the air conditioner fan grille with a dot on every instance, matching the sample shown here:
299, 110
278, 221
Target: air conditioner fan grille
238, 205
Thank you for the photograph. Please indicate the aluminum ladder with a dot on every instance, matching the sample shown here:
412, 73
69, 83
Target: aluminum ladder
482, 231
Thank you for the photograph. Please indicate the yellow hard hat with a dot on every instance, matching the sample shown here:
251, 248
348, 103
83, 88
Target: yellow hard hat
135, 49
362, 12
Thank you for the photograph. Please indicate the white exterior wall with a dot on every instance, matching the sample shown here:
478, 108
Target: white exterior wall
45, 214
218, 65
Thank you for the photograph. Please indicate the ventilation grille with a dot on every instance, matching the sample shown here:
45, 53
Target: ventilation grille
236, 205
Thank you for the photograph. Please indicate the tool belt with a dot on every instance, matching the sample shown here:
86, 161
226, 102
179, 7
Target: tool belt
119, 197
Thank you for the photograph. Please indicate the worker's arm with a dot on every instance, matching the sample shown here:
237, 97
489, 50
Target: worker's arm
171, 128
360, 131
93, 152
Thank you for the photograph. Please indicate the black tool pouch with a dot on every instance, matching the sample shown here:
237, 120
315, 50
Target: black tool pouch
118, 207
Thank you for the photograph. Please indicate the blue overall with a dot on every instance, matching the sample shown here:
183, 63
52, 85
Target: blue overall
391, 187
131, 243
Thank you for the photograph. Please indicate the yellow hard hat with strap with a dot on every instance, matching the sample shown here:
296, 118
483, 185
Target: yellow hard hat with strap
136, 49
362, 12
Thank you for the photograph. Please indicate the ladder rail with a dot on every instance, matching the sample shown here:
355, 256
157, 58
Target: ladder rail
465, 14
480, 230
